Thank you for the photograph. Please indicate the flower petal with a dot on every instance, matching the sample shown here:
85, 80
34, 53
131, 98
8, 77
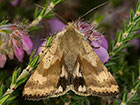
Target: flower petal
19, 53
56, 25
14, 2
95, 44
103, 42
102, 54
11, 55
27, 44
2, 60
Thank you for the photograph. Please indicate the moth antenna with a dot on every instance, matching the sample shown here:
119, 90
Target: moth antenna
53, 13
60, 17
93, 9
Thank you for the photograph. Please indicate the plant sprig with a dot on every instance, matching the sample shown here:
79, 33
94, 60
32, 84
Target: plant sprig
132, 96
18, 80
127, 33
45, 11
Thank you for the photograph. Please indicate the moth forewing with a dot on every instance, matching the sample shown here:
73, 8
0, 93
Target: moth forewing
98, 80
43, 82
90, 74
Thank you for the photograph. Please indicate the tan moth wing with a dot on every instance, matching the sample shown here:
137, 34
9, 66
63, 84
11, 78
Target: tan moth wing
45, 80
97, 79
70, 64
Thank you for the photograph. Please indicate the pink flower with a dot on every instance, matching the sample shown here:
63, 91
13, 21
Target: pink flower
56, 25
14, 2
2, 60
26, 41
27, 44
13, 41
19, 53
98, 41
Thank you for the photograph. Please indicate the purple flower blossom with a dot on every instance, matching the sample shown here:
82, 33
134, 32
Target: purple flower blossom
19, 53
98, 41
2, 60
26, 42
14, 2
56, 25
13, 41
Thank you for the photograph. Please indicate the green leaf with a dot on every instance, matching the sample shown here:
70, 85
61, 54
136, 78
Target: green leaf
57, 1
134, 99
10, 99
14, 77
137, 19
43, 11
49, 15
22, 80
131, 16
1, 89
115, 102
118, 49
127, 39
18, 71
4, 98
34, 28
124, 25
112, 44
133, 78
3, 22
31, 56
36, 13
25, 22
119, 37
138, 6
49, 41
137, 85
34, 61
129, 28
125, 96
136, 29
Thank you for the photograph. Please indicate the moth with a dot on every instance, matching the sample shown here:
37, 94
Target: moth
70, 64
